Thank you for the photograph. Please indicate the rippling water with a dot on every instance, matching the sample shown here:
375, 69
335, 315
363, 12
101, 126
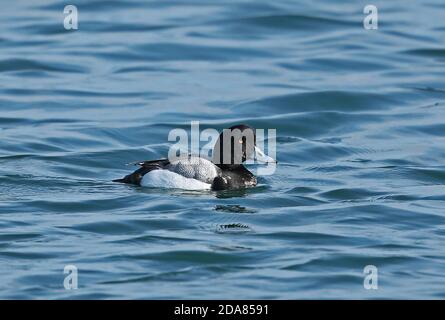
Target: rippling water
360, 142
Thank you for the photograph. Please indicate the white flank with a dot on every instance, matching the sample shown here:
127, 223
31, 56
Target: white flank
172, 180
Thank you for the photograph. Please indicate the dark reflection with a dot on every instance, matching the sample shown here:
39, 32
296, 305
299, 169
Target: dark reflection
240, 193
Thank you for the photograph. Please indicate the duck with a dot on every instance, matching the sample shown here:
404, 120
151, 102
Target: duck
224, 171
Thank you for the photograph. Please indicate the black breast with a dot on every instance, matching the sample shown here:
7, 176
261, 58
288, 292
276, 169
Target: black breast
236, 178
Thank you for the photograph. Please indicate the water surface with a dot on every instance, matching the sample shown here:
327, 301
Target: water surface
360, 143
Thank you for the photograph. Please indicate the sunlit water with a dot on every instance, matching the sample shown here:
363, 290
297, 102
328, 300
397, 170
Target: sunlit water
360, 143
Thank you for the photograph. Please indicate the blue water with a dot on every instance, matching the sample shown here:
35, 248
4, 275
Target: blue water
360, 143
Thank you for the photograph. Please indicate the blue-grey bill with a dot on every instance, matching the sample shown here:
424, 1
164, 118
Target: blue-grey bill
261, 157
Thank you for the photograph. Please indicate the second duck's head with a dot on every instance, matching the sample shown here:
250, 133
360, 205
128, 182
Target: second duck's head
237, 144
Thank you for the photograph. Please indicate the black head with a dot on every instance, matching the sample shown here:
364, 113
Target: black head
234, 146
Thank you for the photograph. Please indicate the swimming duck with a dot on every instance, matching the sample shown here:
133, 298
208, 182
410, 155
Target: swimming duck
226, 170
